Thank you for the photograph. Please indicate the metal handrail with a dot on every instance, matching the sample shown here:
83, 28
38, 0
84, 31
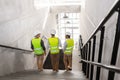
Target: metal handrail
104, 20
109, 67
15, 48
86, 55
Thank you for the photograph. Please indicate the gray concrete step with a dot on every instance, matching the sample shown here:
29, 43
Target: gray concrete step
45, 75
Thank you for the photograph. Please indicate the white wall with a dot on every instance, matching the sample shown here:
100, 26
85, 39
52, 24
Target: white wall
91, 16
12, 61
50, 24
19, 20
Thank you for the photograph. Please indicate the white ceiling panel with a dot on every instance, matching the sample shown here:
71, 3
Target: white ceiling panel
65, 1
67, 9
57, 2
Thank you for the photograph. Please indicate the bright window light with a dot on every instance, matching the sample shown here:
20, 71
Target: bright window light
47, 3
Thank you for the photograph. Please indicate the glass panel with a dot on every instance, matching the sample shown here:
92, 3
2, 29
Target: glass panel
76, 31
62, 31
69, 30
62, 25
61, 15
67, 14
70, 24
74, 15
78, 15
62, 21
75, 25
76, 37
68, 21
70, 16
76, 21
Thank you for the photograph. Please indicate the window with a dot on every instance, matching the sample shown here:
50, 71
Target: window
68, 22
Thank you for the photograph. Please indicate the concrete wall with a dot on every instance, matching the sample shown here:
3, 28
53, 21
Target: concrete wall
50, 24
19, 20
91, 16
12, 61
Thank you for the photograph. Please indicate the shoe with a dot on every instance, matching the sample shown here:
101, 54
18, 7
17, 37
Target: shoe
66, 70
53, 70
57, 70
40, 70
69, 68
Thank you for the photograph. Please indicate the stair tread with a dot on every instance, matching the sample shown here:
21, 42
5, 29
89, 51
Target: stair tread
45, 75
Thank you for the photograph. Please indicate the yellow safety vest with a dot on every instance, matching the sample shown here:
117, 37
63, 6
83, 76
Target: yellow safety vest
36, 42
70, 45
54, 45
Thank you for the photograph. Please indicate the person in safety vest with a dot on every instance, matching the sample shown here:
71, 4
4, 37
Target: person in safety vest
37, 45
68, 49
53, 45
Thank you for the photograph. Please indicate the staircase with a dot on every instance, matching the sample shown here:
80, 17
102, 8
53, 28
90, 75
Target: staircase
45, 75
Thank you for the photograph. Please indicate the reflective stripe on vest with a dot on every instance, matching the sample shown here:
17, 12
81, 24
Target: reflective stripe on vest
70, 45
54, 45
38, 50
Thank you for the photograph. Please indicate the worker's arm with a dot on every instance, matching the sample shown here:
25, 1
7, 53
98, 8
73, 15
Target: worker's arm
60, 45
43, 46
31, 46
64, 46
48, 44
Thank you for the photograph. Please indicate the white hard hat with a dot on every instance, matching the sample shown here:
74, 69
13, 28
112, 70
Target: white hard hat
36, 32
68, 33
53, 31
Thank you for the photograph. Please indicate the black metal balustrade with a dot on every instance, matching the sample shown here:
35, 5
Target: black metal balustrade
87, 63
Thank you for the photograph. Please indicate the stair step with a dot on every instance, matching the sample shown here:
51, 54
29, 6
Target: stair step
45, 75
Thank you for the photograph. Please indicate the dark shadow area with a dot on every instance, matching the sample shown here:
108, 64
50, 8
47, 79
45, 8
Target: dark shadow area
47, 64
